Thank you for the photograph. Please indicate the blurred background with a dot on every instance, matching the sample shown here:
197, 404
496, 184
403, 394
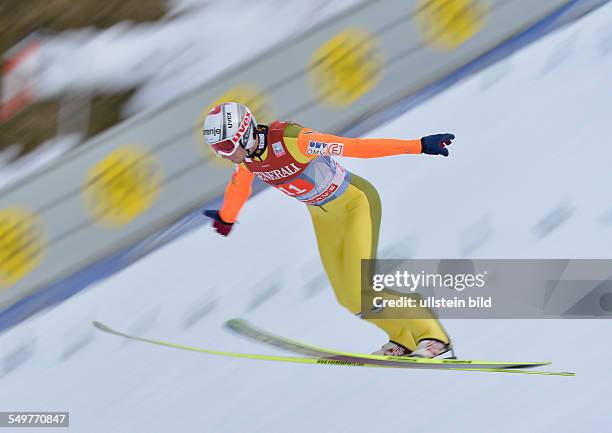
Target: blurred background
92, 65
104, 175
37, 122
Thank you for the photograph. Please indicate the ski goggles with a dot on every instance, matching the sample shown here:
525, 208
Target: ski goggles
244, 137
225, 147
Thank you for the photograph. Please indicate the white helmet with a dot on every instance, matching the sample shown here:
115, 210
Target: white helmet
228, 126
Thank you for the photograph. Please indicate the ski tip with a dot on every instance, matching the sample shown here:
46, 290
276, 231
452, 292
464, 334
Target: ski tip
234, 323
101, 326
543, 373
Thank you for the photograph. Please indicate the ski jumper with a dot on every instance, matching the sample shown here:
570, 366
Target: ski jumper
345, 209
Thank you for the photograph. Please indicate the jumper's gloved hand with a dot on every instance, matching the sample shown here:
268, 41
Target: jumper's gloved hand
219, 225
436, 144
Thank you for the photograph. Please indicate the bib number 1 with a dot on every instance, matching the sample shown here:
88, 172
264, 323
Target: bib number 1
295, 188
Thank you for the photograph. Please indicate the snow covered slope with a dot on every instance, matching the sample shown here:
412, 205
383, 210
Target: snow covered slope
529, 176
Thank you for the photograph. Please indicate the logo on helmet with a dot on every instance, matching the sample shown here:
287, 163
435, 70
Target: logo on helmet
228, 116
243, 128
212, 131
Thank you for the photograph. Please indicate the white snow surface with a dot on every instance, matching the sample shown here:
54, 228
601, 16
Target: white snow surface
531, 139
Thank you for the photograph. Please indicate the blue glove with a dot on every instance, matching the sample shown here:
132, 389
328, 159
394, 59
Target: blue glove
219, 225
436, 144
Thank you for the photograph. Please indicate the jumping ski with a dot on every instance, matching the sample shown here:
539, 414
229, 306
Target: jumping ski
356, 360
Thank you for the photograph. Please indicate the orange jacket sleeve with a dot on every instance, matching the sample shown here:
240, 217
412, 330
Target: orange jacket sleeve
237, 192
312, 143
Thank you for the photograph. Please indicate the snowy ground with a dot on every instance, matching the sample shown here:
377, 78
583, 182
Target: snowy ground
530, 149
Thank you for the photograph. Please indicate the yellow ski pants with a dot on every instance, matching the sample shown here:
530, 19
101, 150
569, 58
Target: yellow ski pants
347, 231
